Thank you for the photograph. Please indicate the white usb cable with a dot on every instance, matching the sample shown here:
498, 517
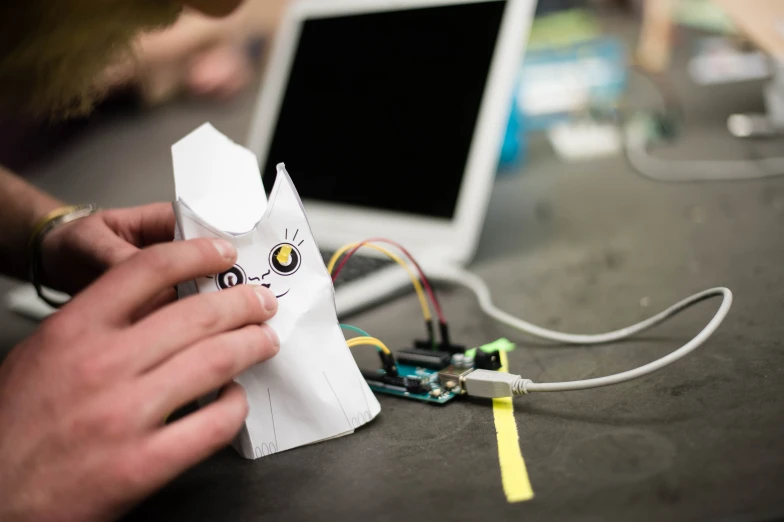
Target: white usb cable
482, 383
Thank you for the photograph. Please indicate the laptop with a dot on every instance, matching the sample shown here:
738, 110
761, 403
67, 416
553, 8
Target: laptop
390, 115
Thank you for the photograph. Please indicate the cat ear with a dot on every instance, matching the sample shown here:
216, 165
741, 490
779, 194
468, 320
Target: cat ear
285, 206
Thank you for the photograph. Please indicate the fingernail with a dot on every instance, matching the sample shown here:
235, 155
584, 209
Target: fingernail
267, 298
273, 336
225, 249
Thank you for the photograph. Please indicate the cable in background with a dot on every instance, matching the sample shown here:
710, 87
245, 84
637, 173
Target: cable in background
493, 384
640, 131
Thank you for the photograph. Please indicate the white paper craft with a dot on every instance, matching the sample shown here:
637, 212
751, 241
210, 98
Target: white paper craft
312, 390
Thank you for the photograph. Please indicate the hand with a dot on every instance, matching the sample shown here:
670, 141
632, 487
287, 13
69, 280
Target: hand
74, 255
83, 400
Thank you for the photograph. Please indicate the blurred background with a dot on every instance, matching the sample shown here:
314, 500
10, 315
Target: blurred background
588, 64
611, 95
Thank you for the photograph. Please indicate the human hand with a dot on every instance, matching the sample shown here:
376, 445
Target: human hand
83, 400
75, 254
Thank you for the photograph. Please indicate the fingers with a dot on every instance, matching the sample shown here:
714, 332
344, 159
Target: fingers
110, 249
205, 367
125, 231
169, 451
157, 224
143, 226
130, 285
164, 333
165, 297
220, 72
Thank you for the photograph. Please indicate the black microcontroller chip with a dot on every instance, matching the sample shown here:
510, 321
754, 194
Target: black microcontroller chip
431, 359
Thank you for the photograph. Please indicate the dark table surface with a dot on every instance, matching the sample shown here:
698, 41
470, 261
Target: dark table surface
582, 247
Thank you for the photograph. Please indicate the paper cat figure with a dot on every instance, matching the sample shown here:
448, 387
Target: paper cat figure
312, 390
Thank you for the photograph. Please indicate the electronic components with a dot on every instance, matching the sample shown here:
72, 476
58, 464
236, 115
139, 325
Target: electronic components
445, 345
431, 359
418, 385
411, 382
451, 378
463, 360
388, 363
487, 360
426, 375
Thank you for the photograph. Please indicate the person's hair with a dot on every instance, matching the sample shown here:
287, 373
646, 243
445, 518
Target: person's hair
53, 51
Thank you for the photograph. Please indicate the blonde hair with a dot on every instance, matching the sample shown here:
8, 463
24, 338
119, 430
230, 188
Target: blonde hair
53, 51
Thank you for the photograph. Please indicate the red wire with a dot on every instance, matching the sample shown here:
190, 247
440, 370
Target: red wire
422, 276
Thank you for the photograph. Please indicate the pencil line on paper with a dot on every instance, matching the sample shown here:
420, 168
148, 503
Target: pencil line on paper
274, 432
362, 391
336, 398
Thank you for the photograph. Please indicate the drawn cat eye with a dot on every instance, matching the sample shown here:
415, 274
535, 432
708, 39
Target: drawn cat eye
284, 259
232, 277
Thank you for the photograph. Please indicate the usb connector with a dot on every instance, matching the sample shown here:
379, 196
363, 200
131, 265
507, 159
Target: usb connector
494, 385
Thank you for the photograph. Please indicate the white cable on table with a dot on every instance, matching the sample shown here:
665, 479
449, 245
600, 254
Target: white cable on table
478, 286
635, 136
518, 385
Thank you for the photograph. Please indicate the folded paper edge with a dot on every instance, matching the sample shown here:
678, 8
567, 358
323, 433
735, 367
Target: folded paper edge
219, 139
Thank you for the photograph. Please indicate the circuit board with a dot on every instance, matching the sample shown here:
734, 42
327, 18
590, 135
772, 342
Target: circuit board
436, 394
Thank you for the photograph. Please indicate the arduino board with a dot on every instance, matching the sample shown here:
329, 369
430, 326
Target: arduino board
412, 382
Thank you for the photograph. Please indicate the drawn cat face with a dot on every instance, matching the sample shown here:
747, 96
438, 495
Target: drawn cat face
284, 260
279, 251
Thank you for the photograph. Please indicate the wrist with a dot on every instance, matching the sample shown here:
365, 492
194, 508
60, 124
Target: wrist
21, 207
37, 210
50, 222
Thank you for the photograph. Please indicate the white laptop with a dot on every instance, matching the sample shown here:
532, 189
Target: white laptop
389, 115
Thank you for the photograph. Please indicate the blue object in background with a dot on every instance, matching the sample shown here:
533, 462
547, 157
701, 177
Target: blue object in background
557, 83
514, 147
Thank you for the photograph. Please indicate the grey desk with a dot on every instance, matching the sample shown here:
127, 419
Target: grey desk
583, 248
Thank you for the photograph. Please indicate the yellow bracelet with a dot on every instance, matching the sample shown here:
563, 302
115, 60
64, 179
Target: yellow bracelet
55, 218
44, 221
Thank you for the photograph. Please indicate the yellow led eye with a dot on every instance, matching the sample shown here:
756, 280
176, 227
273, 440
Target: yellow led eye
284, 255
284, 259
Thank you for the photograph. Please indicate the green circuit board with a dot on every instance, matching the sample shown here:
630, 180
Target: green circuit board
437, 394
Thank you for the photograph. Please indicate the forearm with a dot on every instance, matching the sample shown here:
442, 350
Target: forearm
21, 207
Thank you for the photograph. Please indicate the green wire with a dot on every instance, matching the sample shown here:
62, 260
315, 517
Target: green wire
360, 331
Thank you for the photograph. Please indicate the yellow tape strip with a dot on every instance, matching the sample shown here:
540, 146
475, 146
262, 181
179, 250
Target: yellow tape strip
514, 475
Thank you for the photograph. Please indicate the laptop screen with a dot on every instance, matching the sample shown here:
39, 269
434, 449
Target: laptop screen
379, 109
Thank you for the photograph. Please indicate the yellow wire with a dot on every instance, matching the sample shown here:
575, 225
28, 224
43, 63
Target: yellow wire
356, 341
414, 279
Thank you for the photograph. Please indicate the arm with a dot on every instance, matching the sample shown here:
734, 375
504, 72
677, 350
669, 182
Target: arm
21, 207
75, 254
